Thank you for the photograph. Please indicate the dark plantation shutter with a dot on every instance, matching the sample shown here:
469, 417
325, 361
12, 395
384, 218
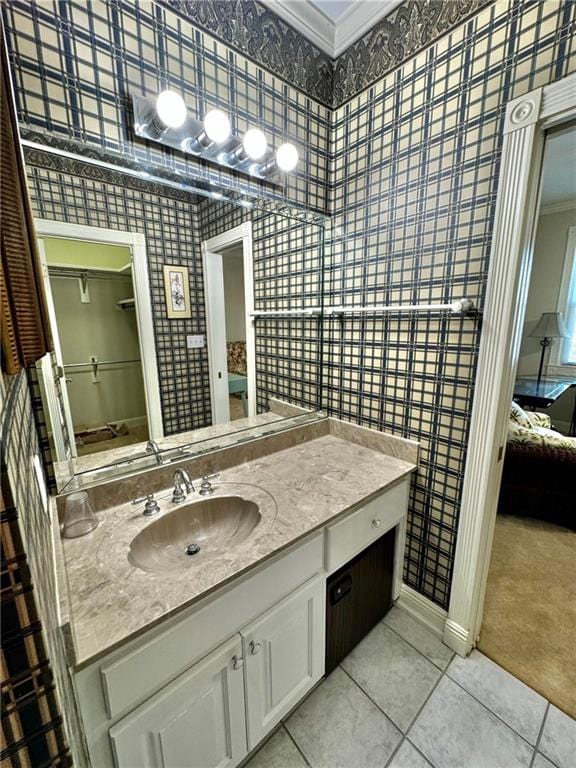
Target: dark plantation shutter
24, 318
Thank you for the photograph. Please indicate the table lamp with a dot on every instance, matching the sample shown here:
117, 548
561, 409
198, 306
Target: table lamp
550, 326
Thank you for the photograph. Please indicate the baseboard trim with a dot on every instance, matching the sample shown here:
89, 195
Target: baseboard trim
422, 609
457, 638
135, 421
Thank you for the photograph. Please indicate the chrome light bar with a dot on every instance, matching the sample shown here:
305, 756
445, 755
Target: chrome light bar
191, 137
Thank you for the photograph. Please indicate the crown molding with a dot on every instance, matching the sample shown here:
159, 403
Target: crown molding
332, 38
358, 20
306, 19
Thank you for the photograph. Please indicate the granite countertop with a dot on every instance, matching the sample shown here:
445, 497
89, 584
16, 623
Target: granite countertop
227, 434
298, 490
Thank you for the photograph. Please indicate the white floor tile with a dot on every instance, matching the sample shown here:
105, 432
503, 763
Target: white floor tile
408, 757
456, 731
339, 727
558, 741
518, 705
393, 674
541, 762
278, 752
421, 638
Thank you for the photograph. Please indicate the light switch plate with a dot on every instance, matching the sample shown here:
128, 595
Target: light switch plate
195, 342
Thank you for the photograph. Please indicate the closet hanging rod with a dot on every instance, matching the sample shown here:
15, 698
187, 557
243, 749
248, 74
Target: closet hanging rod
98, 363
459, 306
282, 312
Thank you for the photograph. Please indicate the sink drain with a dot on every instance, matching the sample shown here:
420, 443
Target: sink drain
192, 549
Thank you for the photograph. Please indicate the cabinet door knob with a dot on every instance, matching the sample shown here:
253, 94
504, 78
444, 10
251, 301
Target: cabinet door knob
376, 523
237, 662
255, 647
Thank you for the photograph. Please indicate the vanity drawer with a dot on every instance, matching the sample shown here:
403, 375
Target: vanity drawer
350, 536
137, 674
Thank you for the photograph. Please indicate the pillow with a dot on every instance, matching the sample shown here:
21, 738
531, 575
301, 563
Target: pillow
539, 419
519, 416
546, 438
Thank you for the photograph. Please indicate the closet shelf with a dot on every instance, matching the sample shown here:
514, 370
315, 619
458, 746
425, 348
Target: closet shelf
126, 303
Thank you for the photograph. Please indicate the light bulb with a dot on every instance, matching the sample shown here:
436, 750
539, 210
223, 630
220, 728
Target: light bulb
171, 109
217, 126
287, 157
254, 143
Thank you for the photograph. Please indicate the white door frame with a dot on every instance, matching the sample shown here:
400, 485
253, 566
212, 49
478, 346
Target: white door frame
527, 118
58, 418
143, 305
214, 299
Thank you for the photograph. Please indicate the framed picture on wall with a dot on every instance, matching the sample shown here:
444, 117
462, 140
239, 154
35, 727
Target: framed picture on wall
177, 290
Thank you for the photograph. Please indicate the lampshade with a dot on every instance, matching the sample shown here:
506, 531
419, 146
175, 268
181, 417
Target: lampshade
550, 325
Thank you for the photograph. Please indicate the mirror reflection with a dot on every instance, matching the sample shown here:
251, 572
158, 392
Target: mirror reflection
214, 331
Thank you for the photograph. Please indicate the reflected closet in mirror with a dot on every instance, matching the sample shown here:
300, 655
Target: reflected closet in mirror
178, 318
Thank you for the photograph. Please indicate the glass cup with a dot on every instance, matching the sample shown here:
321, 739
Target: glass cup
79, 517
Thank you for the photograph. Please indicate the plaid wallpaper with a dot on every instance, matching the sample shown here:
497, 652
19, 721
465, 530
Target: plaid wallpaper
412, 26
408, 168
76, 64
415, 162
288, 268
63, 190
288, 274
34, 672
255, 30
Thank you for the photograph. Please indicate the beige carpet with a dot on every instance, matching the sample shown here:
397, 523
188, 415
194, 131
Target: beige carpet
529, 625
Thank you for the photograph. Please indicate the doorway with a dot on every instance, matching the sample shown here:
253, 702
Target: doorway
101, 384
529, 613
528, 119
229, 297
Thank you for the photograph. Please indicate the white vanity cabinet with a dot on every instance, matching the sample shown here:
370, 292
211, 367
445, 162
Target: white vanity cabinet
211, 715
284, 657
203, 688
197, 721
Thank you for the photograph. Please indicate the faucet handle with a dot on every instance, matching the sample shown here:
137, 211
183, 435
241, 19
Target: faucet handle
206, 486
151, 506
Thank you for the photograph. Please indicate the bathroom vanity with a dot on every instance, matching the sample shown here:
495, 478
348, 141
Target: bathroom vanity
181, 659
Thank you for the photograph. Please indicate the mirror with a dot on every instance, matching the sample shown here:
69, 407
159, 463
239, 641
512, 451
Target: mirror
199, 322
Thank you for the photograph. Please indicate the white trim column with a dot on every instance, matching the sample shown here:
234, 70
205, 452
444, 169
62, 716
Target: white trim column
509, 273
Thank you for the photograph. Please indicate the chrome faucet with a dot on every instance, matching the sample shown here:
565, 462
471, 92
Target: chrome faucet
152, 447
206, 486
181, 478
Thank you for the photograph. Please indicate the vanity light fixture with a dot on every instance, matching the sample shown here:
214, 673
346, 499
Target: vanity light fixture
167, 121
287, 157
255, 144
171, 109
217, 126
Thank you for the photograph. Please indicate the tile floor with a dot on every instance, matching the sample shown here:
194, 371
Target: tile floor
401, 699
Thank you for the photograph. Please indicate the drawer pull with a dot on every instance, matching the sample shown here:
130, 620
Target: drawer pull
255, 647
237, 662
376, 523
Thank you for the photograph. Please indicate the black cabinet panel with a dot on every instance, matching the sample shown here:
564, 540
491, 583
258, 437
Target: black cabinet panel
358, 596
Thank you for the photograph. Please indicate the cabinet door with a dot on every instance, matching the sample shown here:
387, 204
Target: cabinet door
284, 653
198, 721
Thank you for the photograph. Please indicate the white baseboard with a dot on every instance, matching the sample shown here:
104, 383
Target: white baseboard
422, 609
457, 638
136, 421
